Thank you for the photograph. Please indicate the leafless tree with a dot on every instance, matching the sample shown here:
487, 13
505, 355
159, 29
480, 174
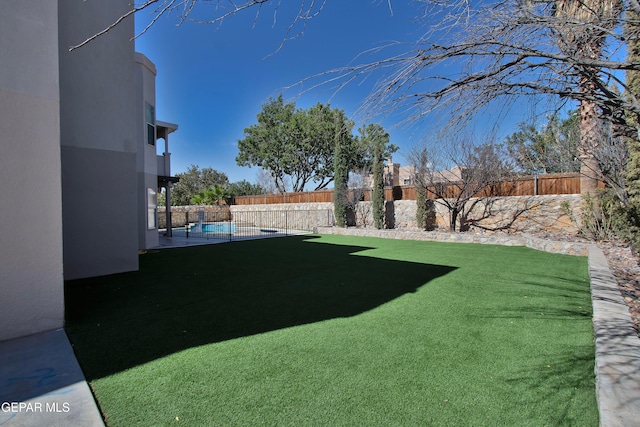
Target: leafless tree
489, 55
215, 12
359, 184
477, 55
266, 181
461, 176
611, 154
472, 53
486, 51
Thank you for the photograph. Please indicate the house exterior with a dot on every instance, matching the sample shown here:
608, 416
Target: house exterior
72, 168
154, 171
395, 175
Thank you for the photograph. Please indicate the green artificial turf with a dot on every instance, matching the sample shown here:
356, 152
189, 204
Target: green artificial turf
336, 330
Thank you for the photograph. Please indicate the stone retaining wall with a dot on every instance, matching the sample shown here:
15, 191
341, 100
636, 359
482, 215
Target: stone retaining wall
292, 216
523, 214
180, 214
301, 216
559, 247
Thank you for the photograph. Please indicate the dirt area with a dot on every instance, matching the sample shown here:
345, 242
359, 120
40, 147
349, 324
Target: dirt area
625, 268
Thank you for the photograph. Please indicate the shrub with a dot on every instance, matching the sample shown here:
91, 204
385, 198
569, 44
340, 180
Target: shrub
425, 210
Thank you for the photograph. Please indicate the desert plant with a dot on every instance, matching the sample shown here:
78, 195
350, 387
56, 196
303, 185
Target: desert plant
425, 210
602, 216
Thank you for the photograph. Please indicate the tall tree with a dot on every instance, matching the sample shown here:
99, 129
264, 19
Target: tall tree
378, 202
267, 143
377, 139
341, 177
245, 188
294, 145
586, 26
633, 143
490, 55
553, 148
461, 176
193, 181
471, 52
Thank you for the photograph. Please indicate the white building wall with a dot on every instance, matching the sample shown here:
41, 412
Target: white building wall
31, 278
98, 119
147, 161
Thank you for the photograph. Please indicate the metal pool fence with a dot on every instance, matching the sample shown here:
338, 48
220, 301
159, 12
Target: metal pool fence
251, 224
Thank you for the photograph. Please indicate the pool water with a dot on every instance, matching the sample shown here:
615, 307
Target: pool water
223, 227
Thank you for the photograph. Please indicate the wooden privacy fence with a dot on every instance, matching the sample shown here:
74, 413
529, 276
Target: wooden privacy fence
538, 185
299, 197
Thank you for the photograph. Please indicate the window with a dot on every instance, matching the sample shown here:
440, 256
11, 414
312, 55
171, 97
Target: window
150, 115
407, 182
152, 209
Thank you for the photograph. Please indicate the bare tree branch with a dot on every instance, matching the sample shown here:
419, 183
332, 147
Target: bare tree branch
484, 53
222, 10
118, 21
461, 175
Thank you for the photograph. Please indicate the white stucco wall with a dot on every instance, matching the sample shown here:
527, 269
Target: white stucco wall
98, 119
31, 281
147, 160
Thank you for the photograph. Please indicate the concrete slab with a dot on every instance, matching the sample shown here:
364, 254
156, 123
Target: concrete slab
182, 241
41, 384
617, 348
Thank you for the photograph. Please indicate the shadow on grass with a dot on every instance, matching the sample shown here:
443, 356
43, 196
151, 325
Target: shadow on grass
555, 383
188, 297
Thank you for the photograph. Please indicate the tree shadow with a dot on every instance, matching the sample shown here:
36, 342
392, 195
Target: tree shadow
559, 382
188, 297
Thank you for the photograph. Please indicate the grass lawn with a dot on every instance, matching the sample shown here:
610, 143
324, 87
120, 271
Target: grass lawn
338, 330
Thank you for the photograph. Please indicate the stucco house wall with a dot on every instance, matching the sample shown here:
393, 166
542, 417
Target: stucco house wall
98, 119
31, 278
147, 163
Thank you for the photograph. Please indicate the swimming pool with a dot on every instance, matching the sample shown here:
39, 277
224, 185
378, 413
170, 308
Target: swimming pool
214, 227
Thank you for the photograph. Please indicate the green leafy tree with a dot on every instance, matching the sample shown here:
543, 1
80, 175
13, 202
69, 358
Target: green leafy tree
341, 176
293, 145
376, 139
551, 149
193, 181
212, 195
632, 175
245, 188
269, 143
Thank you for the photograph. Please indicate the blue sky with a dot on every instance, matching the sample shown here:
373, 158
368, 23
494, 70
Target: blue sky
212, 80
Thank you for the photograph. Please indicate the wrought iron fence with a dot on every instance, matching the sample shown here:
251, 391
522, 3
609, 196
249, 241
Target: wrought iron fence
250, 224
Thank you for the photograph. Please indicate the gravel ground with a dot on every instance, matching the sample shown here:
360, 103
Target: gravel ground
625, 268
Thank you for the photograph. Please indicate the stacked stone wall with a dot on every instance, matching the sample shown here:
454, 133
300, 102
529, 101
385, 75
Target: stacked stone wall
180, 215
558, 247
523, 214
528, 214
297, 216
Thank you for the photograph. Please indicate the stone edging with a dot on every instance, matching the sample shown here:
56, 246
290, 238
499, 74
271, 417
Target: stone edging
558, 247
617, 347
